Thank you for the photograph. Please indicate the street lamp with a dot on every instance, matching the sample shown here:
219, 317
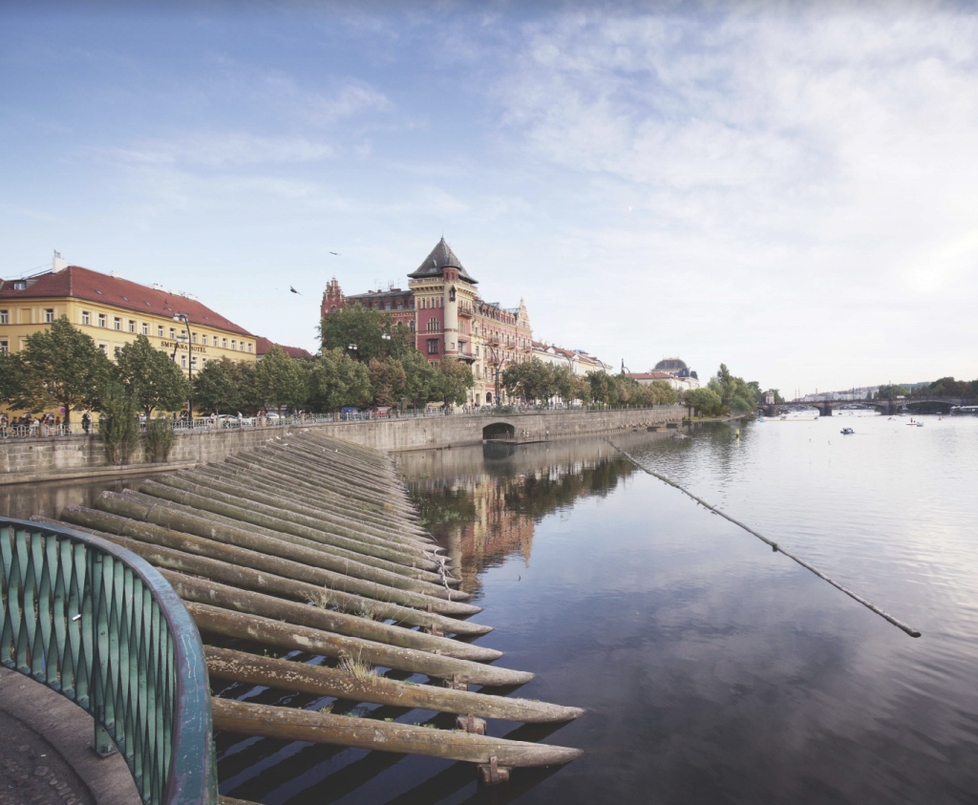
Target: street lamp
389, 337
353, 350
182, 317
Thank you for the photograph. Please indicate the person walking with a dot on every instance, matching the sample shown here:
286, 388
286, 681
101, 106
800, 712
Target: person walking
86, 422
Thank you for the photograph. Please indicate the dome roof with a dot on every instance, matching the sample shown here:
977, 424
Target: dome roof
671, 365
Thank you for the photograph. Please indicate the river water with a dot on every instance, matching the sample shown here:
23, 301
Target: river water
713, 670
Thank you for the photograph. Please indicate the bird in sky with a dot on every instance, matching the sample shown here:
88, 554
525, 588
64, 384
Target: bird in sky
294, 290
336, 253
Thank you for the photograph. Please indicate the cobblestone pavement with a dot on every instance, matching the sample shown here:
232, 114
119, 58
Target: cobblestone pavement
32, 772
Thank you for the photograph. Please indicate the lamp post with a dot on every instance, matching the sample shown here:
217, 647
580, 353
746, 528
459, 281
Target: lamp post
389, 337
352, 348
182, 317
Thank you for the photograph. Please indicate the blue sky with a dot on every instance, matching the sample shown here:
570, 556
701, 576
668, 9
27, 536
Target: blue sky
788, 188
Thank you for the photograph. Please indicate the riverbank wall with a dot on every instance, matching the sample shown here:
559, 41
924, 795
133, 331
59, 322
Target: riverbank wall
40, 459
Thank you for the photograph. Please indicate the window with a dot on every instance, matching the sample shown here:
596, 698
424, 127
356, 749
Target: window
249, 346
4, 348
193, 362
4, 317
86, 317
20, 286
203, 362
117, 323
173, 334
145, 328
132, 325
412, 326
203, 340
183, 361
194, 337
233, 344
101, 320
49, 315
159, 330
432, 346
105, 349
118, 351
224, 343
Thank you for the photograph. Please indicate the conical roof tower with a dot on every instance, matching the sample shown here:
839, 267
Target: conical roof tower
441, 257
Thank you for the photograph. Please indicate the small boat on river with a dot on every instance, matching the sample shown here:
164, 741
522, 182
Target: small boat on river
847, 431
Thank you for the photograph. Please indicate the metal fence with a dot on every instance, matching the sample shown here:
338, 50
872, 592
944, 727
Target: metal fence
102, 627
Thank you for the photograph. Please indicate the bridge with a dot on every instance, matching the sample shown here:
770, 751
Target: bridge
941, 405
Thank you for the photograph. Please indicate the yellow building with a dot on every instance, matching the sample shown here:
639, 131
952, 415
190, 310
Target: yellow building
113, 311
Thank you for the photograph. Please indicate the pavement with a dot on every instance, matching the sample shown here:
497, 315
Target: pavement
45, 751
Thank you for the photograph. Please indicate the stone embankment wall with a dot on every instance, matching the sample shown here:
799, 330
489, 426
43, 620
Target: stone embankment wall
64, 457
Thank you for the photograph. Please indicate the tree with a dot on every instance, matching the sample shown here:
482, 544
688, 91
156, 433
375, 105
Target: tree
734, 392
151, 377
365, 329
60, 366
9, 376
532, 380
215, 387
601, 387
119, 423
454, 379
420, 378
387, 378
890, 391
280, 380
336, 380
706, 402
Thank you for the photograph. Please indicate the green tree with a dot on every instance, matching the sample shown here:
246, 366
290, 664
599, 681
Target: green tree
119, 423
388, 379
365, 329
336, 380
280, 380
454, 379
532, 380
216, 388
890, 391
601, 387
60, 366
9, 376
420, 379
151, 377
706, 402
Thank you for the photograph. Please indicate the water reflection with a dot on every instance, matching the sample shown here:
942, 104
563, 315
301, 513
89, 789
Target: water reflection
482, 502
47, 499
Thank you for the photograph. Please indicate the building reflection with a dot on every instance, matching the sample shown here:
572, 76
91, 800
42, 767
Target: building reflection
482, 502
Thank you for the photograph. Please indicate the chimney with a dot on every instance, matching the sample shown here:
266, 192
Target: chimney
58, 264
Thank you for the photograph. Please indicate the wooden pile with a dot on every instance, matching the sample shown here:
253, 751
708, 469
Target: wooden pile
312, 544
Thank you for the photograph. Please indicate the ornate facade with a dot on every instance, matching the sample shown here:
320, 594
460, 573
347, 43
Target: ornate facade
448, 318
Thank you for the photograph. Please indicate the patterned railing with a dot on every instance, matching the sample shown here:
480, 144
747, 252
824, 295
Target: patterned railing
102, 627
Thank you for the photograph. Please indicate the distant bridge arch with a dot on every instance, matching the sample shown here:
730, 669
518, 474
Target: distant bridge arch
499, 430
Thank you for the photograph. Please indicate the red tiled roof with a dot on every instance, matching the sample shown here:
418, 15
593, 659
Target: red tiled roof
83, 283
262, 345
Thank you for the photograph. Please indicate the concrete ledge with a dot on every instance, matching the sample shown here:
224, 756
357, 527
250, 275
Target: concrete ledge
45, 748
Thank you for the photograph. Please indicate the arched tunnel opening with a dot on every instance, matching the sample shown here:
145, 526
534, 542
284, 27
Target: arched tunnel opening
499, 430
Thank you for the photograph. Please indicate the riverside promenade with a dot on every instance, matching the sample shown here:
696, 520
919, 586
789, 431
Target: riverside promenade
45, 752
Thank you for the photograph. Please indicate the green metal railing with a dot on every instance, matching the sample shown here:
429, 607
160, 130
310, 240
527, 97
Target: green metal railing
102, 627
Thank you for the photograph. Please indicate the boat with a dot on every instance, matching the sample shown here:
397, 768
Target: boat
847, 431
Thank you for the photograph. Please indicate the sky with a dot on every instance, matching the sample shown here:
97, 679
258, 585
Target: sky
787, 188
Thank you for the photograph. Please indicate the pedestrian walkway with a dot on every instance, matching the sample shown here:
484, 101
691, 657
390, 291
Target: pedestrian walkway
45, 753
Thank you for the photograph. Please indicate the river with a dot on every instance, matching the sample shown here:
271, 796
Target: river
713, 670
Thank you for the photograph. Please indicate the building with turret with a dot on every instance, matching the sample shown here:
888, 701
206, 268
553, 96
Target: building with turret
443, 309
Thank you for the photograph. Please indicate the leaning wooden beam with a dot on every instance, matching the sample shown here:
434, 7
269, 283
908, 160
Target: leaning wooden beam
245, 513
248, 578
289, 488
286, 480
206, 591
198, 506
190, 481
238, 666
305, 725
300, 564
210, 525
302, 638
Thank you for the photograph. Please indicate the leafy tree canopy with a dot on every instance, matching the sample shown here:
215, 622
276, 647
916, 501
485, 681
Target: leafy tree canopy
365, 330
336, 380
60, 366
280, 380
151, 378
216, 388
388, 379
454, 378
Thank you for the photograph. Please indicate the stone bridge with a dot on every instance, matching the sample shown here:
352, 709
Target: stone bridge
886, 407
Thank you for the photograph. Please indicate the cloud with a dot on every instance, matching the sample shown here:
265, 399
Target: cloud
228, 149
